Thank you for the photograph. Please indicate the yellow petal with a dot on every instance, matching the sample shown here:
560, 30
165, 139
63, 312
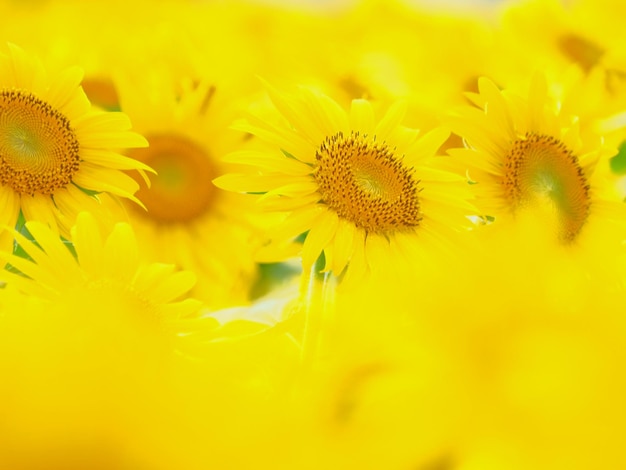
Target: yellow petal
319, 237
362, 117
392, 119
298, 222
343, 245
88, 243
279, 163
52, 244
120, 257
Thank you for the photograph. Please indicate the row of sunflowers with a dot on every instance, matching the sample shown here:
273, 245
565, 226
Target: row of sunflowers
363, 234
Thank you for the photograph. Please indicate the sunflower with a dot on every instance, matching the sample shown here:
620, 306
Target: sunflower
367, 193
372, 65
532, 336
551, 34
565, 41
56, 154
95, 36
244, 359
533, 162
104, 272
189, 221
88, 333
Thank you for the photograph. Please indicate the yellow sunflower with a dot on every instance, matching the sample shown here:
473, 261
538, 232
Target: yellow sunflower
532, 336
372, 65
189, 221
367, 192
566, 40
532, 162
552, 34
104, 273
94, 35
87, 335
56, 154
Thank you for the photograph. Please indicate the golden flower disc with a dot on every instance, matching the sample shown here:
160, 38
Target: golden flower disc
39, 152
183, 189
580, 50
364, 183
541, 168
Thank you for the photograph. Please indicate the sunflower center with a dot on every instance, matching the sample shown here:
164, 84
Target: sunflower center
182, 189
366, 184
541, 170
580, 50
39, 152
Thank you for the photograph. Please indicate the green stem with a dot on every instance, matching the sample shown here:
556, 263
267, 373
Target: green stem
319, 309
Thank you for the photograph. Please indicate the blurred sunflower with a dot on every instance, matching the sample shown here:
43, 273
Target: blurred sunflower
105, 273
244, 360
364, 191
372, 65
556, 34
566, 40
534, 338
94, 35
96, 330
381, 398
530, 159
189, 221
56, 154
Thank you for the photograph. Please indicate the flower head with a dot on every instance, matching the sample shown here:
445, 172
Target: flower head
362, 189
189, 221
56, 153
530, 159
104, 275
87, 336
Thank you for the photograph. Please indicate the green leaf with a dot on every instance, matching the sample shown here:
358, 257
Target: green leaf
618, 162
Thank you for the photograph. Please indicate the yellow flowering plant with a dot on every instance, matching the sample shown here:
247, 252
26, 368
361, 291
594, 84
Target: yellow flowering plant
299, 235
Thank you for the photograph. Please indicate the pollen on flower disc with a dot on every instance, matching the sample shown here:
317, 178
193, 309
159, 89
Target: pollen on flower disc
540, 168
365, 183
182, 189
39, 151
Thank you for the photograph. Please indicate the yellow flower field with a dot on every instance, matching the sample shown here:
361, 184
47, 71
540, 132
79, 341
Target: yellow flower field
301, 235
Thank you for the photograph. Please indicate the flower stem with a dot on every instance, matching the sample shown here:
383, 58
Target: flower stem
319, 307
